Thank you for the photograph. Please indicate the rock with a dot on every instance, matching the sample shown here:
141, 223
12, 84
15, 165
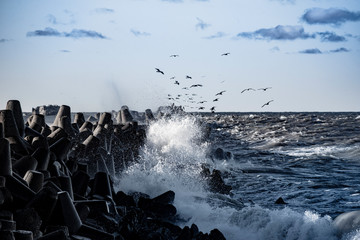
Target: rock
215, 234
217, 184
165, 198
121, 199
280, 201
28, 219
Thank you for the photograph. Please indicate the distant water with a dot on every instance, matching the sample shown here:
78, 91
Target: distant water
311, 160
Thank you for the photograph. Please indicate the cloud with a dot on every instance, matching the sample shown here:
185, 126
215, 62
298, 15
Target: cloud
47, 32
331, 37
311, 51
216, 35
329, 16
75, 33
104, 10
317, 51
66, 18
80, 33
3, 40
275, 49
139, 34
52, 19
201, 24
340, 50
279, 32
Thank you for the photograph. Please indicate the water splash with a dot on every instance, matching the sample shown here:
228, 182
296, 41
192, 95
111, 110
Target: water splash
171, 158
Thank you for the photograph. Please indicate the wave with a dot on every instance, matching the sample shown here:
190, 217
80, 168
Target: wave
172, 159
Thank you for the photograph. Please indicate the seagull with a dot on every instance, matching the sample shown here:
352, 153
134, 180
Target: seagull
248, 89
188, 77
212, 109
215, 100
267, 103
176, 82
174, 55
225, 54
264, 89
159, 71
196, 85
220, 93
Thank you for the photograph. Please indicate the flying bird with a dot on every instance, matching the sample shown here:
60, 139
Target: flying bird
176, 82
159, 71
264, 89
220, 93
212, 109
202, 102
215, 100
172, 78
201, 108
174, 55
248, 89
188, 77
186, 88
196, 85
267, 103
225, 54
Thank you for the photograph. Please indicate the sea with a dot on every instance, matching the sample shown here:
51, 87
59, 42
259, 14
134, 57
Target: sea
310, 160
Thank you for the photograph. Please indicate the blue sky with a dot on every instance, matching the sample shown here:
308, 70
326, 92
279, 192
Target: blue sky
100, 55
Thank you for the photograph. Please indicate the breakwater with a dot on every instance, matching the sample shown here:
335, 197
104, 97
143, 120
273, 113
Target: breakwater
57, 182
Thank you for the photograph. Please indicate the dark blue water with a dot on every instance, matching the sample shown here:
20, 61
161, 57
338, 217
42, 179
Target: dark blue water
311, 160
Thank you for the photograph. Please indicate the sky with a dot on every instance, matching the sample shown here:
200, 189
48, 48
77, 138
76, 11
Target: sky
101, 55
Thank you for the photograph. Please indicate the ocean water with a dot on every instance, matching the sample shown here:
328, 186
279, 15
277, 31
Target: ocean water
311, 160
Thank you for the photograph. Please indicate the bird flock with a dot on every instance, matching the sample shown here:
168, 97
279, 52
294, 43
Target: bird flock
189, 98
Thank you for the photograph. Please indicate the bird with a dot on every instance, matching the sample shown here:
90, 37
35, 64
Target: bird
212, 109
267, 103
215, 100
176, 82
186, 88
159, 71
220, 93
196, 85
201, 102
188, 77
174, 55
225, 54
248, 89
172, 78
264, 89
201, 108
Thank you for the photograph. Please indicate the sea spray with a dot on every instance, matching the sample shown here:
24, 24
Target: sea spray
172, 158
